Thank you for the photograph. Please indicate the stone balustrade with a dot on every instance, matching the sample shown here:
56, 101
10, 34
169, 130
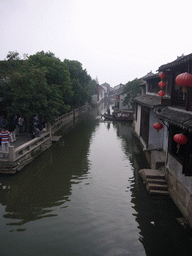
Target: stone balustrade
16, 158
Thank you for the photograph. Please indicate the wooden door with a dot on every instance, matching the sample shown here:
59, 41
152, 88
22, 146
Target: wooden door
144, 128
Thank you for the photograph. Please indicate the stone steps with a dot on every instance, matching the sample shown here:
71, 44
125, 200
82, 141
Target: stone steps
159, 192
155, 181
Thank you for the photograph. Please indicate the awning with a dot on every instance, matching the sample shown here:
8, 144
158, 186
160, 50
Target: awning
148, 100
176, 117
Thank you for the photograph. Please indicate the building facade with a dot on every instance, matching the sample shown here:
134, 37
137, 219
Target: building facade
174, 112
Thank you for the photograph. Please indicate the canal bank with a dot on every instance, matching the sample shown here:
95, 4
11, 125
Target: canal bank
26, 150
84, 196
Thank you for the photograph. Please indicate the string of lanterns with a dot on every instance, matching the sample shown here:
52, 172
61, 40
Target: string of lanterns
162, 84
183, 80
180, 139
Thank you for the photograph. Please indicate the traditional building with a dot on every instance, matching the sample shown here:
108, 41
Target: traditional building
119, 99
173, 109
99, 96
144, 113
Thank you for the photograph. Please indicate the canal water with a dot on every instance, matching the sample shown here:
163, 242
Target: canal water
84, 197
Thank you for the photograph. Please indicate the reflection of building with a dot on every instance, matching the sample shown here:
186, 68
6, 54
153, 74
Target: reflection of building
174, 111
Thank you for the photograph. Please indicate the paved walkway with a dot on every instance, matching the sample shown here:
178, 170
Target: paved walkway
21, 139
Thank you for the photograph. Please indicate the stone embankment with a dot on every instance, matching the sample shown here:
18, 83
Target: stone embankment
26, 150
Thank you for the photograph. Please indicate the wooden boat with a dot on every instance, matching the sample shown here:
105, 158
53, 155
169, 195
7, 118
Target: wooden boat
118, 117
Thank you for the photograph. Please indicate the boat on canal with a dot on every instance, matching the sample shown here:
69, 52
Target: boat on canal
121, 116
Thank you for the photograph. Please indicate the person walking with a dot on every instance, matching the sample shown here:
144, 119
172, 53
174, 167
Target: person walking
20, 124
12, 128
5, 139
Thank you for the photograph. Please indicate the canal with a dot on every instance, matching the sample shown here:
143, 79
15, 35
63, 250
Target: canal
84, 197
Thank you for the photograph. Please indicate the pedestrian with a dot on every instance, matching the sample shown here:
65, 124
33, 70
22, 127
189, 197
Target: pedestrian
20, 124
12, 128
5, 139
36, 132
35, 120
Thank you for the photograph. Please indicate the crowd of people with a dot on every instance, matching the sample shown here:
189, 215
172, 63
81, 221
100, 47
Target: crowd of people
16, 126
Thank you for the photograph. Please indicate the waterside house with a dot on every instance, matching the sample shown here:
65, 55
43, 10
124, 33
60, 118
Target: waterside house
99, 96
174, 112
119, 99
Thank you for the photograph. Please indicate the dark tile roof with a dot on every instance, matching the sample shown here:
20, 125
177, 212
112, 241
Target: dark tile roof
150, 75
148, 100
176, 117
179, 61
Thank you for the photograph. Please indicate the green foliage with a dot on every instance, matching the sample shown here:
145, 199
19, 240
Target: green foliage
43, 84
31, 94
132, 90
12, 56
80, 83
56, 73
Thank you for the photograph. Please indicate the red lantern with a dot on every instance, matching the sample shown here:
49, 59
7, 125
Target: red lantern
183, 80
158, 126
162, 75
180, 139
161, 93
162, 84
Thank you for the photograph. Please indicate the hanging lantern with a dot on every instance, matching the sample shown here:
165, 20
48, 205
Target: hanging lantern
162, 75
161, 93
180, 139
158, 126
183, 80
162, 84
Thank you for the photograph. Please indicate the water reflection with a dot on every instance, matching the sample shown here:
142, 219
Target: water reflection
87, 187
160, 233
45, 184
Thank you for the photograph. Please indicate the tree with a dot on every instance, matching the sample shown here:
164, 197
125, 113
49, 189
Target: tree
12, 56
31, 94
43, 84
39, 85
56, 73
80, 83
131, 89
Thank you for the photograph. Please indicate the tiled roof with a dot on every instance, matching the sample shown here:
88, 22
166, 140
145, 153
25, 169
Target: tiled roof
175, 116
179, 61
150, 75
148, 100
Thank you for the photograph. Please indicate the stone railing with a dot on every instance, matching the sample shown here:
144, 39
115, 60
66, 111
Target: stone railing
16, 158
15, 154
60, 121
64, 119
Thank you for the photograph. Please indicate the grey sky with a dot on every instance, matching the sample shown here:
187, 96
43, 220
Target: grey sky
115, 40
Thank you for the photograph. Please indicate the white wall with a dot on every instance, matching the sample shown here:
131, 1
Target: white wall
155, 138
165, 137
121, 106
94, 99
176, 168
138, 121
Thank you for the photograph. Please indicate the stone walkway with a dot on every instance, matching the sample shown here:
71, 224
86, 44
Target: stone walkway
21, 139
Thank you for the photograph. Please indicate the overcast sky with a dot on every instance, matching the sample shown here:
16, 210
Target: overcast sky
115, 40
